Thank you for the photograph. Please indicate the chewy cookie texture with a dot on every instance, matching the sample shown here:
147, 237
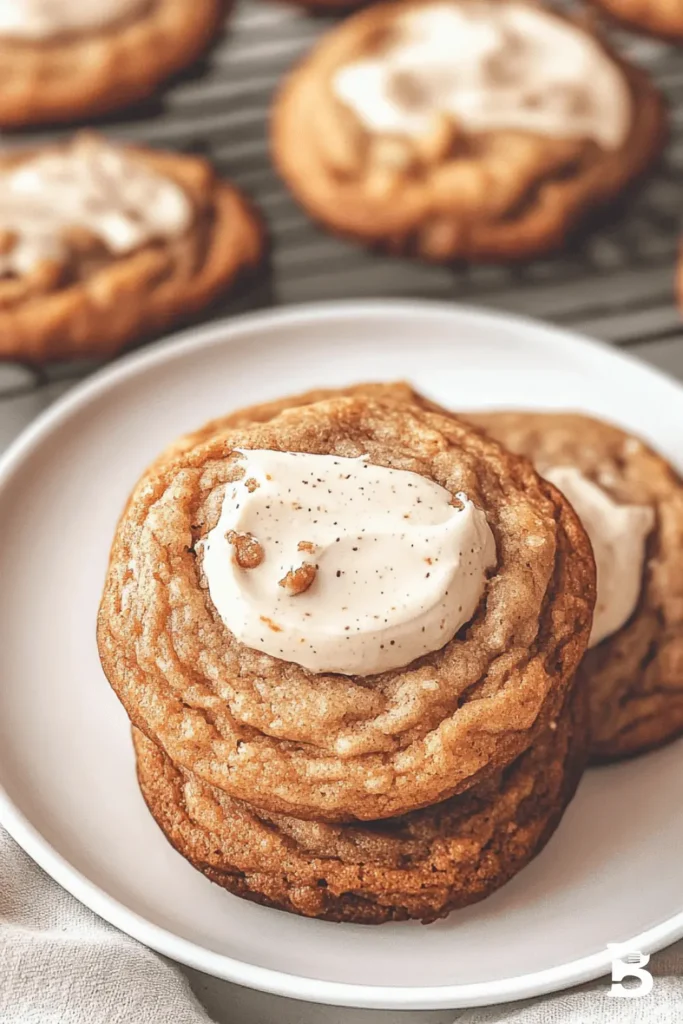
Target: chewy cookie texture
405, 793
463, 129
103, 245
330, 746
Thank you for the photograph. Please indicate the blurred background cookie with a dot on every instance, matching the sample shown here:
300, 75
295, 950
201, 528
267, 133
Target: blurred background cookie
102, 245
662, 18
631, 502
480, 130
70, 59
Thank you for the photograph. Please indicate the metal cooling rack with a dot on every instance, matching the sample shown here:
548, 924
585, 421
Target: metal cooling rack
617, 284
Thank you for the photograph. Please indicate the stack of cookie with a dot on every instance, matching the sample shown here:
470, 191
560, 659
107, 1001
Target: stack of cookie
346, 628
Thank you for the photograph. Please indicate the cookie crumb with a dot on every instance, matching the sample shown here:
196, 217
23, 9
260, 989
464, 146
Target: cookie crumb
248, 552
251, 484
298, 580
306, 545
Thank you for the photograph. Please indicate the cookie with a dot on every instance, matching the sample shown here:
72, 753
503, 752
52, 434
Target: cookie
67, 60
262, 412
662, 18
420, 866
272, 707
631, 502
102, 245
462, 128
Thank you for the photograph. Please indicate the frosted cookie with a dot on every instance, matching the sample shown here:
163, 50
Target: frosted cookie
101, 245
462, 128
662, 18
63, 60
354, 609
419, 866
631, 502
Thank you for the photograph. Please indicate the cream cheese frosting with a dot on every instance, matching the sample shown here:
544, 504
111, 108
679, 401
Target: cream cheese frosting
43, 19
339, 565
88, 185
491, 65
618, 534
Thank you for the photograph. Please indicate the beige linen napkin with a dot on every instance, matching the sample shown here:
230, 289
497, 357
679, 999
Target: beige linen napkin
61, 964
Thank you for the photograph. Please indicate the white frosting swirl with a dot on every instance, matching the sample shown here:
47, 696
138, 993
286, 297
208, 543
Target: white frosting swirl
88, 185
618, 534
388, 568
43, 19
491, 65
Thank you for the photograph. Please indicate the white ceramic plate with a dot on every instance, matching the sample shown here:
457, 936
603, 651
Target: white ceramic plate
612, 873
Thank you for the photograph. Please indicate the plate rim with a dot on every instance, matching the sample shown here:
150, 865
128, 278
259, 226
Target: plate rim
228, 331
